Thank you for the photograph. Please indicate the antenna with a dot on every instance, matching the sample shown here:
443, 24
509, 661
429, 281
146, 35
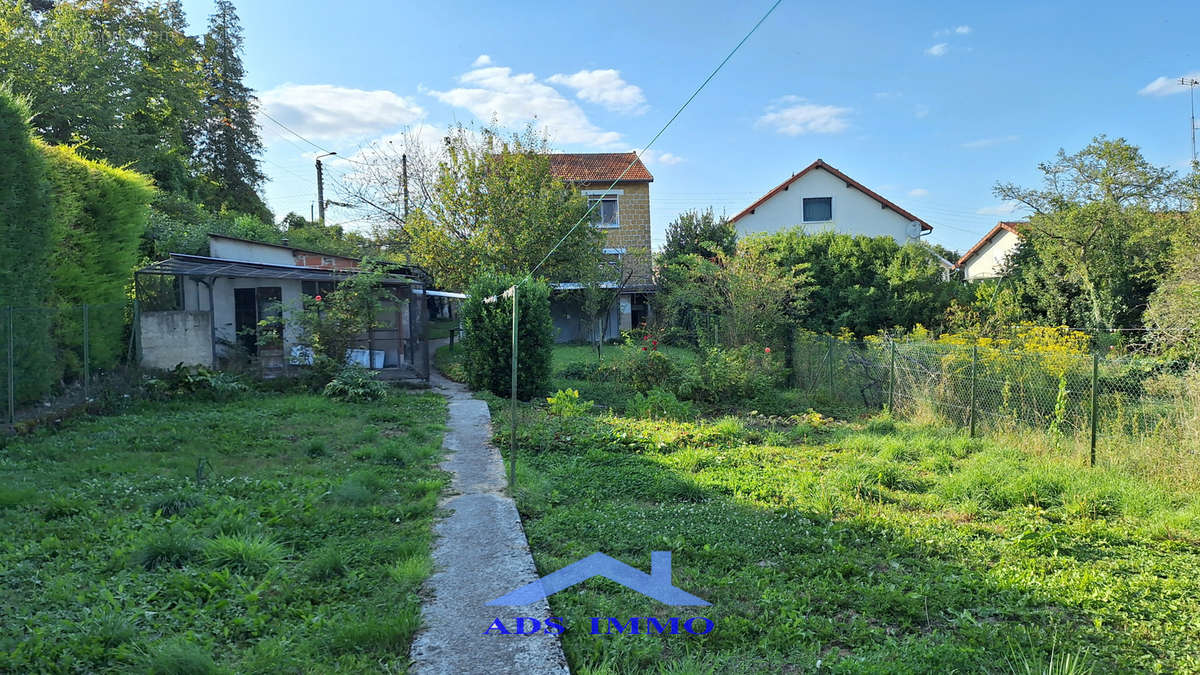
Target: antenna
1190, 83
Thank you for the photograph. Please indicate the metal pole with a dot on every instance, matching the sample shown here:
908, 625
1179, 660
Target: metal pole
1095, 372
320, 192
512, 444
830, 354
12, 392
892, 385
86, 352
974, 366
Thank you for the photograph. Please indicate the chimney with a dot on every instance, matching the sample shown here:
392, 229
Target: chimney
660, 567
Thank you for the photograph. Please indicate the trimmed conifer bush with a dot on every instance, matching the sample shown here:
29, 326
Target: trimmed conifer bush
25, 245
488, 340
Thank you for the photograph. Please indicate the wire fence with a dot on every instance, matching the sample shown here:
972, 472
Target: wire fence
53, 359
1089, 399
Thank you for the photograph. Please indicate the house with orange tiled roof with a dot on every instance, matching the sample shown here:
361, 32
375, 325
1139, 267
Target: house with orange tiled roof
822, 198
989, 257
617, 185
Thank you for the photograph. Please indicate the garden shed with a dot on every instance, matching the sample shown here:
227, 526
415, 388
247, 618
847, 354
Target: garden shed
211, 310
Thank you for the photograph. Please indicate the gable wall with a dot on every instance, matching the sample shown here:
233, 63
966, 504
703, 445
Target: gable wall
854, 213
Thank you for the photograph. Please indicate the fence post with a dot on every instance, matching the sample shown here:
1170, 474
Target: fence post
892, 384
830, 353
12, 392
512, 444
87, 354
1095, 372
974, 366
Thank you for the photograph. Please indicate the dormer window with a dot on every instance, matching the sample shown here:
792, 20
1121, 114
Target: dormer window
818, 209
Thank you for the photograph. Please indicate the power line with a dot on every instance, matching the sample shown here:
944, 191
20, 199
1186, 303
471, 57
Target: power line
646, 147
289, 130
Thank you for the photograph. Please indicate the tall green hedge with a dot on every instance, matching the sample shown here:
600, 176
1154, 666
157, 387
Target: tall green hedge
488, 340
25, 245
100, 214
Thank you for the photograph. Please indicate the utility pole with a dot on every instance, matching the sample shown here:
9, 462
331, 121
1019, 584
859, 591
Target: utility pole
404, 179
321, 186
1191, 83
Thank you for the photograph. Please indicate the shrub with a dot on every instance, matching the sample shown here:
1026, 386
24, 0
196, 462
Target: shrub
355, 384
727, 375
566, 403
195, 382
660, 404
178, 657
488, 341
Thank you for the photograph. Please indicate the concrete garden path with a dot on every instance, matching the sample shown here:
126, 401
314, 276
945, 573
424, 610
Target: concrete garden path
479, 554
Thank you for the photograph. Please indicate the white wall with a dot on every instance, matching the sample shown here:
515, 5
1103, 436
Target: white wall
853, 211
249, 252
196, 298
989, 261
171, 338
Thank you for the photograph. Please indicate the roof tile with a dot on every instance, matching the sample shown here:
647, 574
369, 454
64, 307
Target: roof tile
590, 167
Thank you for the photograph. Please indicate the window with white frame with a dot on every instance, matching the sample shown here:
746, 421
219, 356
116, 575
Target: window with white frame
604, 211
818, 209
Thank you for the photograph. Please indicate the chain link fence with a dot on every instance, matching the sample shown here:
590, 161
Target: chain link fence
1085, 399
54, 359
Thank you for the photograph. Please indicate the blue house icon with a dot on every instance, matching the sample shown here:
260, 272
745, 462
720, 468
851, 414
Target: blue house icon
656, 584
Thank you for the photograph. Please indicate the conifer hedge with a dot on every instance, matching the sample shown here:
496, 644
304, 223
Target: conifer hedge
100, 214
25, 246
488, 336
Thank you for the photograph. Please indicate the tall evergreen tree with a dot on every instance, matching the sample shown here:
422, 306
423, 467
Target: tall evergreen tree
229, 143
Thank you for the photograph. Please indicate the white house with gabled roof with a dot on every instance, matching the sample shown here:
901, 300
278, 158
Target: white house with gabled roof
821, 198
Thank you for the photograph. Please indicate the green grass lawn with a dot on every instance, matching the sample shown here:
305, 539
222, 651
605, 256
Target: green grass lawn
860, 547
269, 534
440, 328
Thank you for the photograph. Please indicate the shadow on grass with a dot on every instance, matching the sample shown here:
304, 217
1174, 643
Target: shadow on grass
849, 552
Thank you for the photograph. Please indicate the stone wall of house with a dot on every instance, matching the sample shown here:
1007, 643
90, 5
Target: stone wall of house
633, 213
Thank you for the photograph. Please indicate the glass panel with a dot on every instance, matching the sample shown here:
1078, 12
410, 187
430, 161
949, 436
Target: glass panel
818, 209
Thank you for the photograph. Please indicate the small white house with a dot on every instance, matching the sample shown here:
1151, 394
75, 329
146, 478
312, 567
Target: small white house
821, 198
989, 257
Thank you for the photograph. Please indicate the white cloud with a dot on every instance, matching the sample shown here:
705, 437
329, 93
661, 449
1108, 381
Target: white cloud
481, 61
957, 30
605, 87
918, 192
1165, 86
989, 142
1005, 209
514, 100
331, 112
793, 116
658, 157
921, 111
939, 49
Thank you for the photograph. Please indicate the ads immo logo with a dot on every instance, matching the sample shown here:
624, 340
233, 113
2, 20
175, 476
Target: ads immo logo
657, 584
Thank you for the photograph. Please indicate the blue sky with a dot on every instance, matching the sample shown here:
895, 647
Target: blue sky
928, 104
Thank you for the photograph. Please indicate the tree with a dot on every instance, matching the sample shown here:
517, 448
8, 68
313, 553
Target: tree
1173, 315
229, 141
701, 233
1102, 216
496, 205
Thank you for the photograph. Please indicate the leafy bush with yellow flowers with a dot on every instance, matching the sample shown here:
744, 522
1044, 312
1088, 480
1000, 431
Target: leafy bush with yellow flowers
1031, 373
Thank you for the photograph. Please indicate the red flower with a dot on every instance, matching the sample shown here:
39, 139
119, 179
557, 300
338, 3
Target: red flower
655, 343
645, 337
643, 349
318, 298
767, 350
